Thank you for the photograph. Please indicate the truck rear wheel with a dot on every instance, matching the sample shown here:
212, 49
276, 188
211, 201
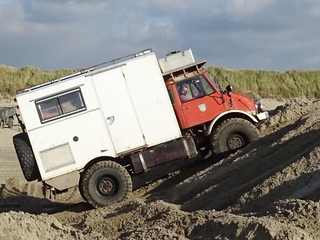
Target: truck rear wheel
26, 158
232, 135
105, 183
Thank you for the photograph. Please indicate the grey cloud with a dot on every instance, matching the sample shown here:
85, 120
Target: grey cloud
270, 34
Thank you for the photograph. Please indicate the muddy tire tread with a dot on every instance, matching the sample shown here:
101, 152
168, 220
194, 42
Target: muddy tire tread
110, 168
26, 157
225, 126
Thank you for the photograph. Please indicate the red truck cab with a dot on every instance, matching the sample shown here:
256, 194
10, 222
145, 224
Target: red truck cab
200, 105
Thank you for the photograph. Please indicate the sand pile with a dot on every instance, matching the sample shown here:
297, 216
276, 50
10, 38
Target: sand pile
269, 190
20, 225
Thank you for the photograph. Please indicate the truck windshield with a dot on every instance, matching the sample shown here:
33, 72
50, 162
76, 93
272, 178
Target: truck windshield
194, 87
215, 82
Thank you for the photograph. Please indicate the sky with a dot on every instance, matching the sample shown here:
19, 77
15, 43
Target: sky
273, 35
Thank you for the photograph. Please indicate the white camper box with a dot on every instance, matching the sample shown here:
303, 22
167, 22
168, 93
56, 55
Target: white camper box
120, 109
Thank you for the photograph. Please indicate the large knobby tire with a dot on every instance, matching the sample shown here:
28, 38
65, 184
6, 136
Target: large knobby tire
105, 183
26, 157
81, 191
232, 135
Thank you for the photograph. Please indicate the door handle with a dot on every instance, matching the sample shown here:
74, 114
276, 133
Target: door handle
110, 120
183, 109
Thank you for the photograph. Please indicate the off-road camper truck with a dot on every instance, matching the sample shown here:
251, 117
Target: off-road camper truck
96, 128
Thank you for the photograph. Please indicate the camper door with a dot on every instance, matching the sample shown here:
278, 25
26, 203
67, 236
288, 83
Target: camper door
118, 110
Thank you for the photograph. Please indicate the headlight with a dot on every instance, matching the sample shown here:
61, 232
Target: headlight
259, 106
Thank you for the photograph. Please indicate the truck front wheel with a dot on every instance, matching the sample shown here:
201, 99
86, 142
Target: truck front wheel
105, 183
232, 135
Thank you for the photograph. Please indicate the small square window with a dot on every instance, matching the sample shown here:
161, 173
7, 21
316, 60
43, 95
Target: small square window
60, 105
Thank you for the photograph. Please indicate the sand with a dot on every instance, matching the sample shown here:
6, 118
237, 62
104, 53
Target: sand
268, 190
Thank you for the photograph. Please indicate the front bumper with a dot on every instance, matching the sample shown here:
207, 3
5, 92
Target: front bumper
262, 115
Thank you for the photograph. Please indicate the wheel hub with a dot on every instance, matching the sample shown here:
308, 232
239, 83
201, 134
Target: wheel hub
106, 186
235, 142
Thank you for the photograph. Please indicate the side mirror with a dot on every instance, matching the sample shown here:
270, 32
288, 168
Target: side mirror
229, 88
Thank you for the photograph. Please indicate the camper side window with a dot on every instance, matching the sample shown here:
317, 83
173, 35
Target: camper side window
60, 105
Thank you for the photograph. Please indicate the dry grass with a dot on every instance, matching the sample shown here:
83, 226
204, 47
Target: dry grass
270, 84
13, 79
254, 83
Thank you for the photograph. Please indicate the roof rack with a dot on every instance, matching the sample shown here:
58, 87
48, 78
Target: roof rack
183, 70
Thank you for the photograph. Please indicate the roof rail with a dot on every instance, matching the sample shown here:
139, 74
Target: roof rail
114, 61
86, 70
